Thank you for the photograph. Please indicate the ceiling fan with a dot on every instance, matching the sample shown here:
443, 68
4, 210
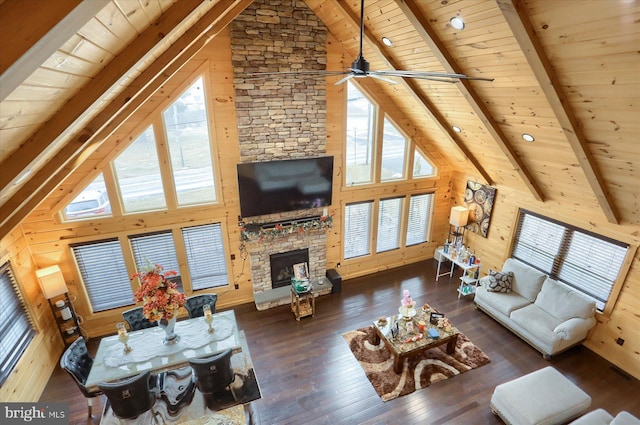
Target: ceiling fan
360, 69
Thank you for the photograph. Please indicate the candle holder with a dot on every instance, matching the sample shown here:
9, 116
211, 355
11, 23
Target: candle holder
208, 317
123, 336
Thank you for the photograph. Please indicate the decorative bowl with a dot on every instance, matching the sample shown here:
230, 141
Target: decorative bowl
407, 312
300, 285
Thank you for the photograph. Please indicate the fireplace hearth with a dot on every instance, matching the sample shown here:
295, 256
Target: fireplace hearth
282, 266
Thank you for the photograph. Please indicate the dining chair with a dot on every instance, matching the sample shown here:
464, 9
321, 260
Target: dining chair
131, 397
77, 362
213, 375
195, 303
136, 319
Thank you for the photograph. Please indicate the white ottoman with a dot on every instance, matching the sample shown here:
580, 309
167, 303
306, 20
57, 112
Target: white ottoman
543, 397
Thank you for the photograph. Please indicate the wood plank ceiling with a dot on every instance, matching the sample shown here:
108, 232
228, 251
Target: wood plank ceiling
567, 72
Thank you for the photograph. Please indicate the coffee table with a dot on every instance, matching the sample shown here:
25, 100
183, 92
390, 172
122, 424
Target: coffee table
402, 346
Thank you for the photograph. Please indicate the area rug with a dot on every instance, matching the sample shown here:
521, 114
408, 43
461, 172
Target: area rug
418, 372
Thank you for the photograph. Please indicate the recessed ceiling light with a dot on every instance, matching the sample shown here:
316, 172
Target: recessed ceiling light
387, 41
457, 129
528, 137
457, 23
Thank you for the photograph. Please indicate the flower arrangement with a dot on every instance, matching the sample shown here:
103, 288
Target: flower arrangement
160, 298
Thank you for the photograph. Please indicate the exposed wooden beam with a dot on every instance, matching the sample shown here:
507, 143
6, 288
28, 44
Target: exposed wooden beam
516, 16
36, 38
440, 52
415, 92
123, 106
108, 78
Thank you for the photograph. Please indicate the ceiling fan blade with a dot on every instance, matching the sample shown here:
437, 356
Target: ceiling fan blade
377, 76
345, 79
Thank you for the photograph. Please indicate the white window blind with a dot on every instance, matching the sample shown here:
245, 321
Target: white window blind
586, 262
104, 274
357, 229
15, 327
418, 220
156, 248
389, 213
205, 256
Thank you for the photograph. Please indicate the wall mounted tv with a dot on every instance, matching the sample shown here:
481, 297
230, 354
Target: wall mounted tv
284, 185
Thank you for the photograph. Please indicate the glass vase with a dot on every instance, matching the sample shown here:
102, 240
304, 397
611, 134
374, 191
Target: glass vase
169, 325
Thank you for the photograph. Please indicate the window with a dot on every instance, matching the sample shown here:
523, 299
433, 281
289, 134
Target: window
16, 331
421, 166
187, 132
205, 256
138, 174
359, 143
586, 262
91, 202
419, 218
156, 248
104, 274
394, 146
389, 213
357, 229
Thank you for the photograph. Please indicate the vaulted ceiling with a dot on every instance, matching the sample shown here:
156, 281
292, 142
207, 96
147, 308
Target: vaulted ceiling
566, 72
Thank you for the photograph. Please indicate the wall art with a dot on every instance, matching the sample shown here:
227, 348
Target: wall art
479, 199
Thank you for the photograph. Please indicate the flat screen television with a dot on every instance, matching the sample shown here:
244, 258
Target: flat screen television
284, 185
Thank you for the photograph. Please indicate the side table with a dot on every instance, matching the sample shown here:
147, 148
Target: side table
303, 303
470, 275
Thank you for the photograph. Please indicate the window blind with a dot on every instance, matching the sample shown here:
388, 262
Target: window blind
104, 274
205, 256
388, 236
418, 220
357, 229
583, 261
156, 248
16, 331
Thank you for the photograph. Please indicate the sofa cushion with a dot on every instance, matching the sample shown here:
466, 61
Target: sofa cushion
504, 303
595, 417
625, 418
563, 303
537, 322
499, 281
527, 281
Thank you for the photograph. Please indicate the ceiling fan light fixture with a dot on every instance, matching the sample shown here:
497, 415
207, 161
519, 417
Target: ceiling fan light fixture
457, 22
387, 41
528, 137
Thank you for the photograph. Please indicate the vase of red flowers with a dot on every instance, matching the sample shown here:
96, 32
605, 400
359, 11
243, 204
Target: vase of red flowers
161, 299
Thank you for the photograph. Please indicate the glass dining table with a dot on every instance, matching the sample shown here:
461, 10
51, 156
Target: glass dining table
111, 363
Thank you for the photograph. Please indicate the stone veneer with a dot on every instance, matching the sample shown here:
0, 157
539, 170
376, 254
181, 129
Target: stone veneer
280, 117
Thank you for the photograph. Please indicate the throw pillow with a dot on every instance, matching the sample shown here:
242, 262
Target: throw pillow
500, 281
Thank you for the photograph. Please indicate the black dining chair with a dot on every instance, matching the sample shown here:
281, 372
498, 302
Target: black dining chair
195, 303
77, 362
213, 376
136, 319
131, 397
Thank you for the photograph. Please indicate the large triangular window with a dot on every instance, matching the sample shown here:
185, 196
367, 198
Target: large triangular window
92, 202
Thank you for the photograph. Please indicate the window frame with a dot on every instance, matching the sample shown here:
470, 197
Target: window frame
559, 258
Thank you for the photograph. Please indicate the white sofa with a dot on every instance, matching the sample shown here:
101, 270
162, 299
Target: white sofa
541, 311
602, 417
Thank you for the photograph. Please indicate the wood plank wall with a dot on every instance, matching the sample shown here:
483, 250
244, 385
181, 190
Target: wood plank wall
624, 320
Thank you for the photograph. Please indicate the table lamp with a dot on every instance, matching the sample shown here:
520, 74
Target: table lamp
52, 282
459, 218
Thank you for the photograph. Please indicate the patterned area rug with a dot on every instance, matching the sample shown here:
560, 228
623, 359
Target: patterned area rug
419, 371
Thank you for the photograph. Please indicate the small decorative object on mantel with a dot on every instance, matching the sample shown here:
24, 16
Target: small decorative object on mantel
251, 232
407, 309
161, 299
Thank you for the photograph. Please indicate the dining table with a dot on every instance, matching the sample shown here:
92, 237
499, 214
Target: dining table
148, 351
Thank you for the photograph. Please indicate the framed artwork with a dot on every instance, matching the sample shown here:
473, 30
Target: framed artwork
301, 271
479, 199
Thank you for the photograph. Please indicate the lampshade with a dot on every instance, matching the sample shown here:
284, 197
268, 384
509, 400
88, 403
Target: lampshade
459, 216
51, 281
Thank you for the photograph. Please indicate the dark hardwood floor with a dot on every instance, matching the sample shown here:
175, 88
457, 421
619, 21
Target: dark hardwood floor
307, 374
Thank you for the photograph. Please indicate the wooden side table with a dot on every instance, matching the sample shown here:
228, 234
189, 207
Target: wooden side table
303, 303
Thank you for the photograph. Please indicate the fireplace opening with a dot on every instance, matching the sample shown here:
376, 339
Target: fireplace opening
282, 266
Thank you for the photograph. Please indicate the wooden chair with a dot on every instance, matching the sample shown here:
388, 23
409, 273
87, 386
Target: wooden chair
136, 319
194, 304
77, 362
